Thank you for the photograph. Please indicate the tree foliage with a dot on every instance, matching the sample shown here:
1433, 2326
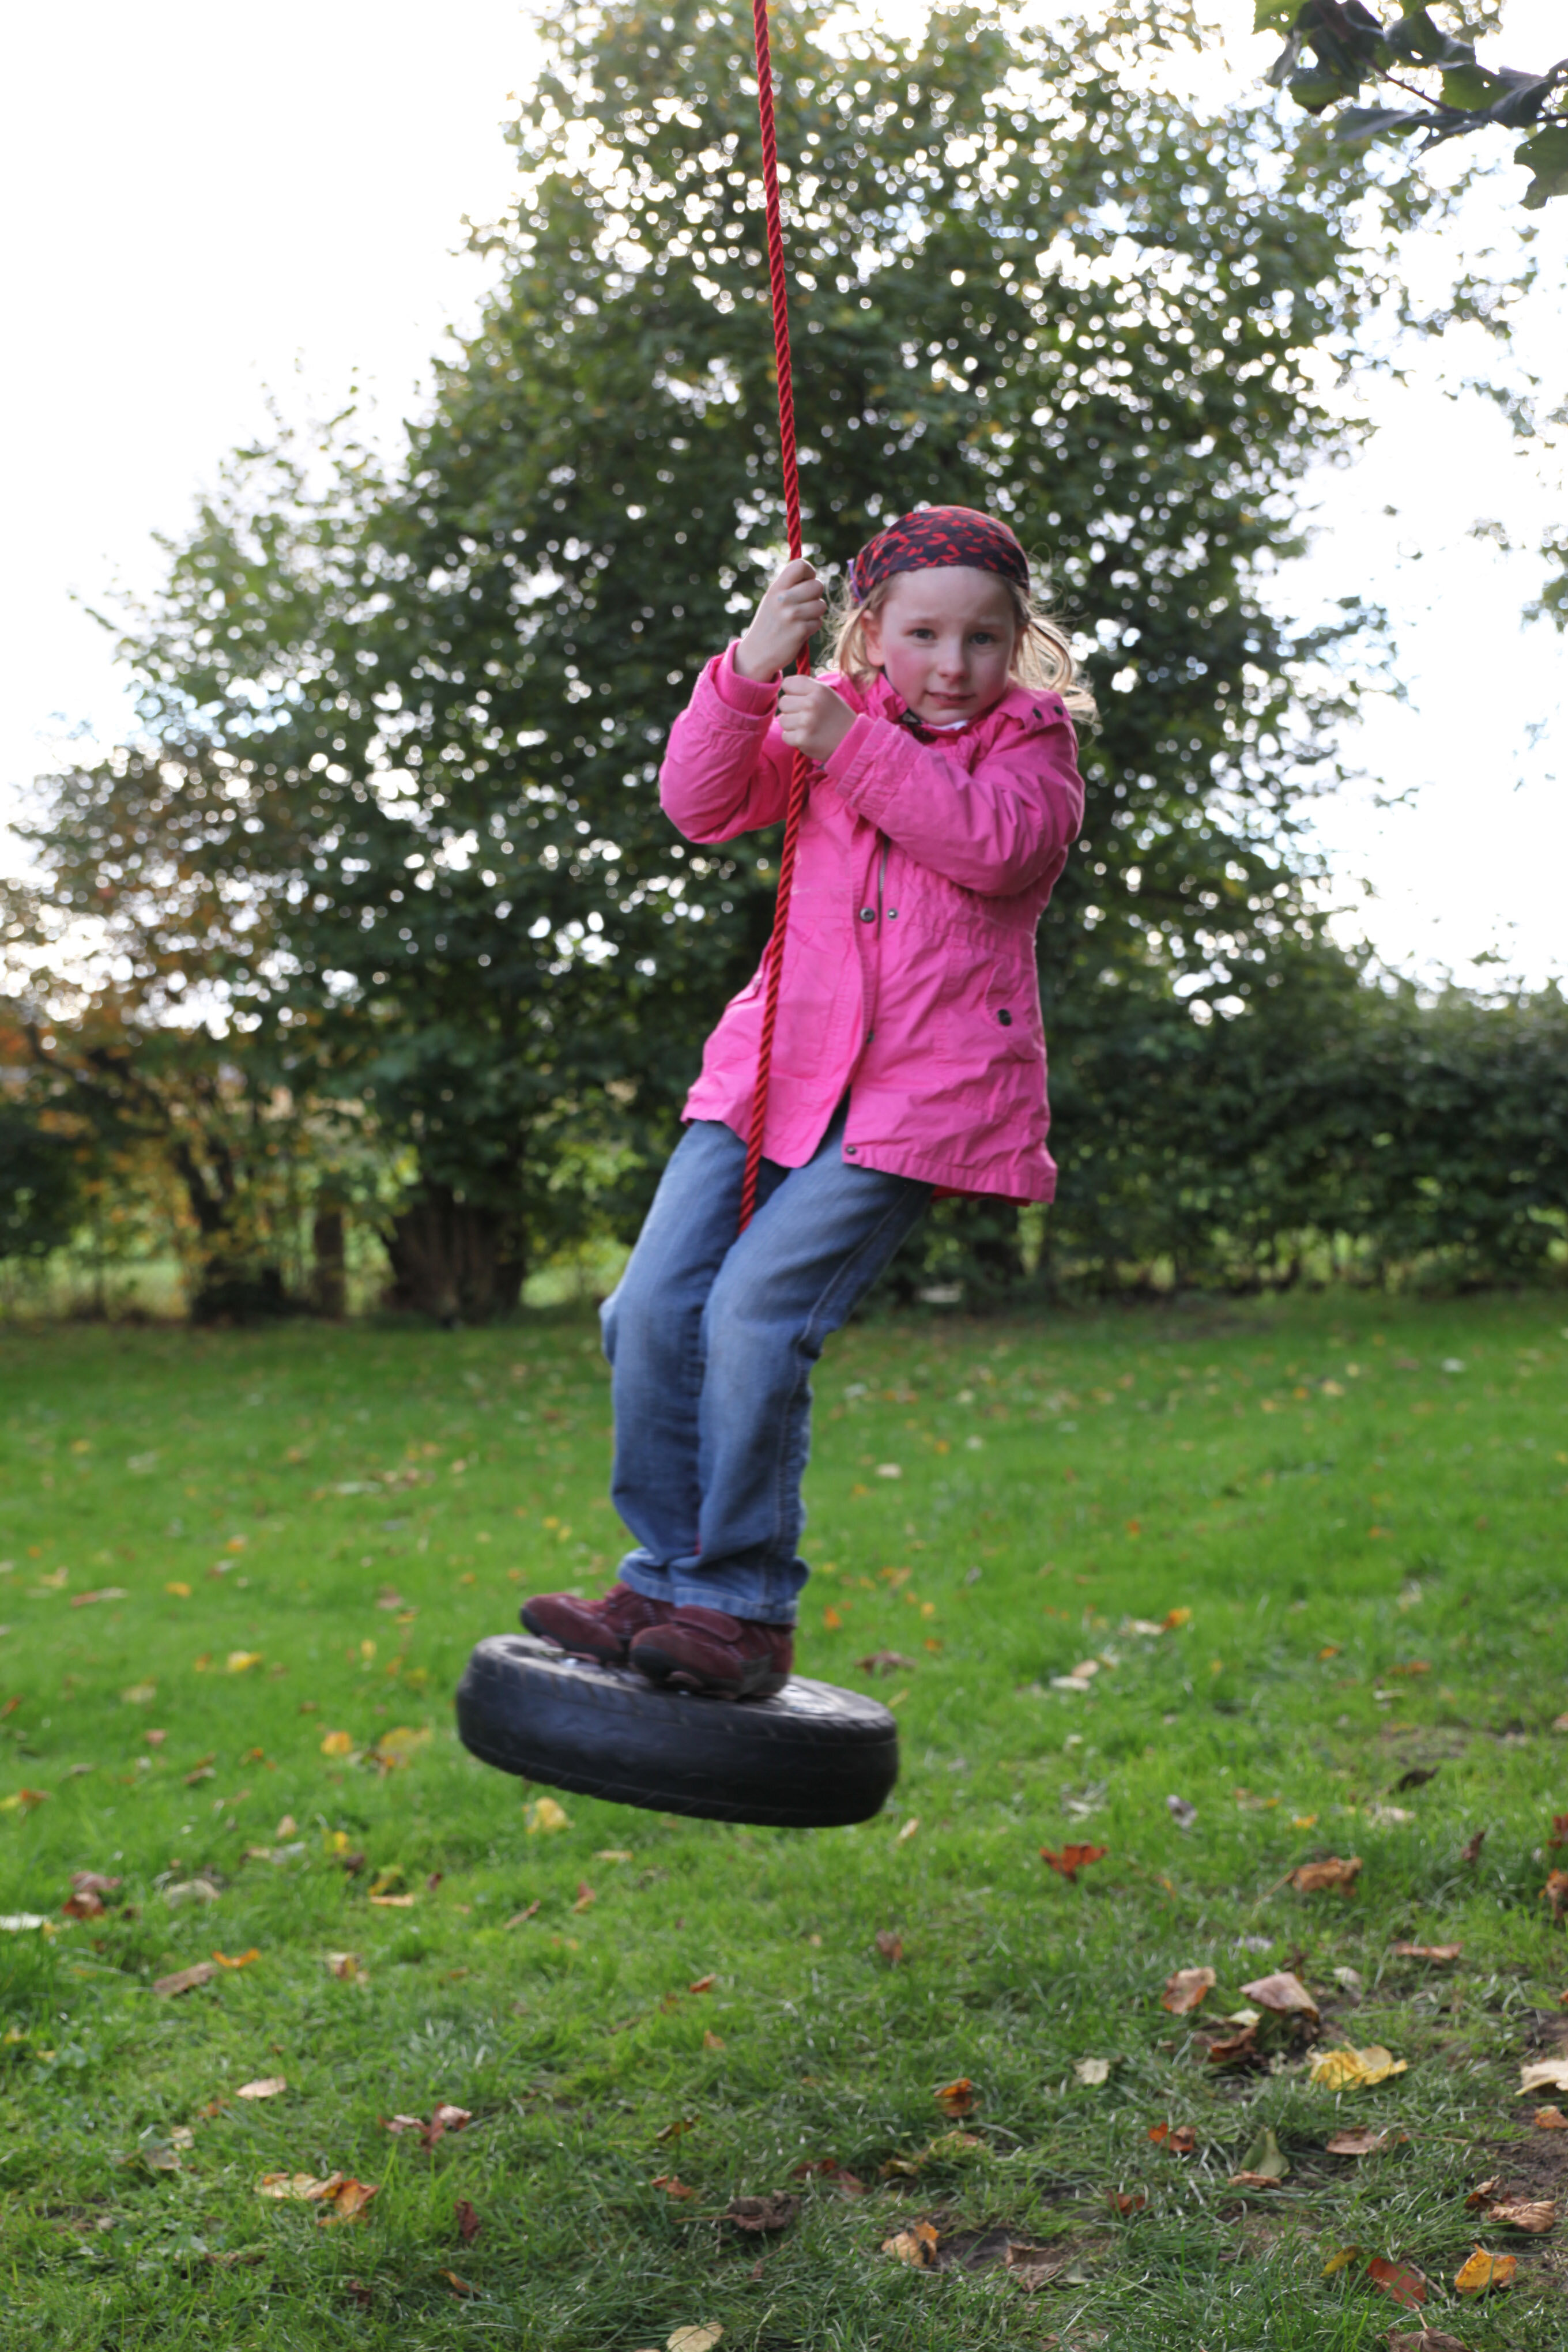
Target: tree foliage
391, 824
1333, 47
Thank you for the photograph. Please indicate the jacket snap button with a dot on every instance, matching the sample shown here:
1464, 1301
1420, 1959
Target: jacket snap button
868, 914
892, 914
850, 1151
1006, 1018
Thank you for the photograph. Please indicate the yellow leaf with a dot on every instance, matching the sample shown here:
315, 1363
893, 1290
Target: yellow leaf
544, 1817
909, 1830
1341, 2260
265, 2087
917, 2246
179, 1592
139, 1694
694, 2339
239, 1662
1348, 2070
338, 1743
1484, 2272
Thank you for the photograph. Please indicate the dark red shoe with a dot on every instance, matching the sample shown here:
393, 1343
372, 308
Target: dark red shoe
603, 1629
727, 1657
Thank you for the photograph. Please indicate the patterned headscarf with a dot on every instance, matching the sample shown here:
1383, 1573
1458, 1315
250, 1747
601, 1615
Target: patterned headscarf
933, 538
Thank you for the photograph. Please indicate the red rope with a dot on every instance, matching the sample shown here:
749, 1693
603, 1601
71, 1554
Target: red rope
801, 772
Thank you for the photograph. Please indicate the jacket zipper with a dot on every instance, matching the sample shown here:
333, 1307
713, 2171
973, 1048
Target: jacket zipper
881, 880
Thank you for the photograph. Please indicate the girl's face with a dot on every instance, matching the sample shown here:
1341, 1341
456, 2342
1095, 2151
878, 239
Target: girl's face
945, 639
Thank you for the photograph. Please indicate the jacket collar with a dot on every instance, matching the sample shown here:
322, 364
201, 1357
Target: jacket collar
1022, 710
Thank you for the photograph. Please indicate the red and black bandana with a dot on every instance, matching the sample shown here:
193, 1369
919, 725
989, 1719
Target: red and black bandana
933, 538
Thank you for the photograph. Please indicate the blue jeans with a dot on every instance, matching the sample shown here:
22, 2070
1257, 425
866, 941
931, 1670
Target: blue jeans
712, 1338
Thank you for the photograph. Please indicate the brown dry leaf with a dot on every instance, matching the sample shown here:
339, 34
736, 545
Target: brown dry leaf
400, 2123
265, 2087
711, 2041
1283, 1994
1398, 2280
459, 2285
762, 2215
1555, 1893
1470, 1852
885, 1661
1439, 1953
185, 1979
519, 1918
1073, 1858
957, 2099
1536, 2214
445, 2119
300, 2185
1364, 2141
240, 1959
674, 2130
360, 2292
917, 2246
1121, 2202
86, 1906
671, 2186
1346, 2070
467, 2221
347, 1967
1480, 2196
1230, 2048
1176, 2140
889, 1946
586, 1898
702, 1984
1314, 1877
1551, 2120
345, 2200
1423, 2339
694, 2339
1034, 2267
1484, 2272
1186, 1990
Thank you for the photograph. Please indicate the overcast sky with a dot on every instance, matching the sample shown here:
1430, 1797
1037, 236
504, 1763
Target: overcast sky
203, 205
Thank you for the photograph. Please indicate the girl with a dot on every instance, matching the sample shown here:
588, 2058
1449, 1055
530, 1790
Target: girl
908, 1058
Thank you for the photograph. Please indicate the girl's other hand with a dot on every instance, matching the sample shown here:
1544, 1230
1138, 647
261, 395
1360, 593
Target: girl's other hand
792, 608
812, 718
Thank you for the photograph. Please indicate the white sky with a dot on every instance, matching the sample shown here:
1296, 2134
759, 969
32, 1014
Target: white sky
205, 206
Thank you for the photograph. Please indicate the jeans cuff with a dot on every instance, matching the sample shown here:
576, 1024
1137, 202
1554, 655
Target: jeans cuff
760, 1595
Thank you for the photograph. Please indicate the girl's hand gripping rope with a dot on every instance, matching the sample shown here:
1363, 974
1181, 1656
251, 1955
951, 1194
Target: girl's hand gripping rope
811, 718
793, 608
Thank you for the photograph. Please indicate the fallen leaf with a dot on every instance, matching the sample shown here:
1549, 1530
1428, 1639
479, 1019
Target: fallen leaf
393, 1902
1033, 2267
105, 1592
1425, 2340
1073, 1858
265, 2087
1312, 1877
445, 2119
22, 1801
1471, 1851
1551, 2120
917, 2246
674, 2130
1555, 1893
1348, 2070
1180, 1812
1186, 1990
347, 1967
711, 2041
1544, 2075
346, 2200
762, 2215
397, 1747
909, 1830
694, 2339
1398, 2280
613, 1853
1264, 2165
1179, 2139
1174, 1619
957, 2099
360, 2292
1092, 2070
1416, 1778
1363, 2141
1229, 2049
338, 1743
185, 1979
1439, 1953
139, 1694
1483, 2272
467, 2222
544, 1817
889, 1946
240, 1960
1340, 2260
519, 1918
885, 1661
702, 1984
1121, 2202
586, 1898
671, 2186
1282, 1994
1536, 2214
239, 1662
459, 2285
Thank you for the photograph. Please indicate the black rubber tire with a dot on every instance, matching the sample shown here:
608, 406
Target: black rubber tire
812, 1757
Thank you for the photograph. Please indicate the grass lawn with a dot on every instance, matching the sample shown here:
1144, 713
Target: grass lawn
241, 1573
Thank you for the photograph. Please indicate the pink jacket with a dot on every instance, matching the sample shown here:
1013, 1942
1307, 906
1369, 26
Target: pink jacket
925, 860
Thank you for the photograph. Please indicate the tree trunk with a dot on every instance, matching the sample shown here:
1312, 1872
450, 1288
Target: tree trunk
329, 1272
454, 1260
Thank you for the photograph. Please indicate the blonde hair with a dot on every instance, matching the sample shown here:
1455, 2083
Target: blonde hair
1043, 657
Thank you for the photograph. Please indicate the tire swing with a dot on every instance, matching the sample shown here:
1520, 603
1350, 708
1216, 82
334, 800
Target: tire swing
814, 1757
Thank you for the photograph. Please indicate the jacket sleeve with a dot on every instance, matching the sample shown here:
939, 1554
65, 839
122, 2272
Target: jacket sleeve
727, 766
998, 830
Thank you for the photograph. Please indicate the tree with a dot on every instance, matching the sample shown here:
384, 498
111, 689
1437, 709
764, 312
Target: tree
400, 739
1347, 46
